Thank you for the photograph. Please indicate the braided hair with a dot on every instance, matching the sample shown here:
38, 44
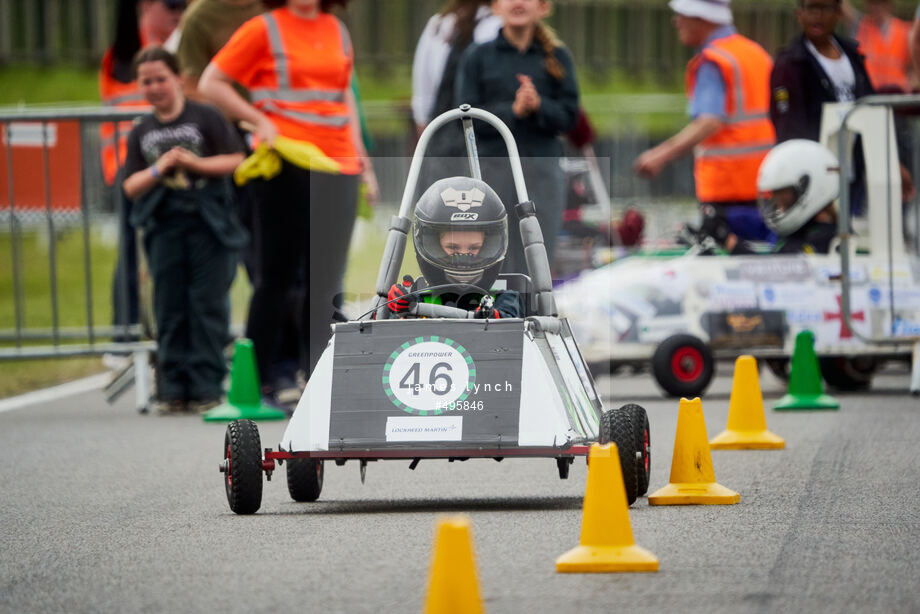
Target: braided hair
549, 42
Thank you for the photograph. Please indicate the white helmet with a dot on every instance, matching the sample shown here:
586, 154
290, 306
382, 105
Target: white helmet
797, 179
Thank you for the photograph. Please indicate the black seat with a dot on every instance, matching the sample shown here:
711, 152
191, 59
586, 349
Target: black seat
520, 283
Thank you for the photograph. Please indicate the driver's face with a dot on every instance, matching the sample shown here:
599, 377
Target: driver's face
784, 198
455, 242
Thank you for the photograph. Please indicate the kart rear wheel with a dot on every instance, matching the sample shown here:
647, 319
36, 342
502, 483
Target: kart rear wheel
616, 426
242, 466
848, 373
683, 366
643, 445
305, 478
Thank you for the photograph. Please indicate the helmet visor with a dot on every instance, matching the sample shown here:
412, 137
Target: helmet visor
777, 205
464, 248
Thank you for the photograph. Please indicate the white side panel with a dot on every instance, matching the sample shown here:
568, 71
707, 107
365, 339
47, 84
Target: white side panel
542, 415
308, 430
574, 384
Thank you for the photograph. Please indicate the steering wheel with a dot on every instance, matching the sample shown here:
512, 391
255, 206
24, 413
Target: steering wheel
460, 289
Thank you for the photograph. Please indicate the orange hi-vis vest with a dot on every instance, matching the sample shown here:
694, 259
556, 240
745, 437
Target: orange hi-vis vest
887, 53
726, 162
114, 93
300, 80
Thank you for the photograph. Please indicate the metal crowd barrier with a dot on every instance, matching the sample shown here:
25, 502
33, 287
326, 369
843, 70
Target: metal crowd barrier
53, 184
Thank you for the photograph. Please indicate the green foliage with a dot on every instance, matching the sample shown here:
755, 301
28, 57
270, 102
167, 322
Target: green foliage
34, 249
40, 85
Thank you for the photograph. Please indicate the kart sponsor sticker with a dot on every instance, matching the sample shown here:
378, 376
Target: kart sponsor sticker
904, 298
430, 428
740, 295
831, 273
428, 375
906, 323
775, 269
790, 296
832, 327
746, 328
425, 368
900, 273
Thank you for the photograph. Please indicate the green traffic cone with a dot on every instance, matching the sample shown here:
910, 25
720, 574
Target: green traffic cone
806, 391
244, 401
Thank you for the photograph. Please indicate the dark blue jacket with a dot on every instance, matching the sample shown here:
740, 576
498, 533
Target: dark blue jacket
487, 79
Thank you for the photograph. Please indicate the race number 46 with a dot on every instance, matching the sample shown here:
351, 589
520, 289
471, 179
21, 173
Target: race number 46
427, 375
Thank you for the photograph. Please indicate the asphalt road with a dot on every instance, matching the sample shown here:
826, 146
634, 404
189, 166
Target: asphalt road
105, 510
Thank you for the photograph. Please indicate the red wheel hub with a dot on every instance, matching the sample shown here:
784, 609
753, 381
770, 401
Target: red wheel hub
645, 457
229, 474
687, 364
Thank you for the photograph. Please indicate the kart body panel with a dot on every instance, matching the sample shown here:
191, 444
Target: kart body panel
446, 385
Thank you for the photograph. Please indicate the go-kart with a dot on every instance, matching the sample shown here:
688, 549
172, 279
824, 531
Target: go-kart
681, 310
441, 384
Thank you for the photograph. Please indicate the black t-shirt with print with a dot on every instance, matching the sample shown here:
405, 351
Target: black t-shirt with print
200, 129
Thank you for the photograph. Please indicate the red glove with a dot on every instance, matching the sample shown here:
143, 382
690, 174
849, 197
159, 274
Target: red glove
485, 309
483, 314
399, 291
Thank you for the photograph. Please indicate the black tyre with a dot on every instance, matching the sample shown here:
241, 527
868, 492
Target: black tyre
305, 478
779, 367
643, 445
243, 466
848, 373
683, 366
616, 426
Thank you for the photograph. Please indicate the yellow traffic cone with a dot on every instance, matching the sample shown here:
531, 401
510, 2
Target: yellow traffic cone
453, 586
693, 480
747, 424
606, 535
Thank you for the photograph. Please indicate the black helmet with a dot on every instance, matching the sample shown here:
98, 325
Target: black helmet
449, 218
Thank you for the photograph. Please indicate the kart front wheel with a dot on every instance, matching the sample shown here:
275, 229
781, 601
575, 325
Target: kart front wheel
616, 426
683, 366
643, 444
305, 478
242, 466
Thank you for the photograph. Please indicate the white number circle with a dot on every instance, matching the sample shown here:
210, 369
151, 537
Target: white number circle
428, 376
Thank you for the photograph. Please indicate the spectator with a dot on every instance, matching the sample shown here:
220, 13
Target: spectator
437, 54
884, 39
818, 66
915, 41
730, 132
526, 77
434, 69
206, 27
302, 219
178, 162
171, 44
139, 24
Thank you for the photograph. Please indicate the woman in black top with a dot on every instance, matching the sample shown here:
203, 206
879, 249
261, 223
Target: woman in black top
177, 167
527, 78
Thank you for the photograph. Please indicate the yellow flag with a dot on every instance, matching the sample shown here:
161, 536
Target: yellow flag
265, 161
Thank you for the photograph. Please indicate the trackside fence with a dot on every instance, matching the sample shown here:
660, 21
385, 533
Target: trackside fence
51, 195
